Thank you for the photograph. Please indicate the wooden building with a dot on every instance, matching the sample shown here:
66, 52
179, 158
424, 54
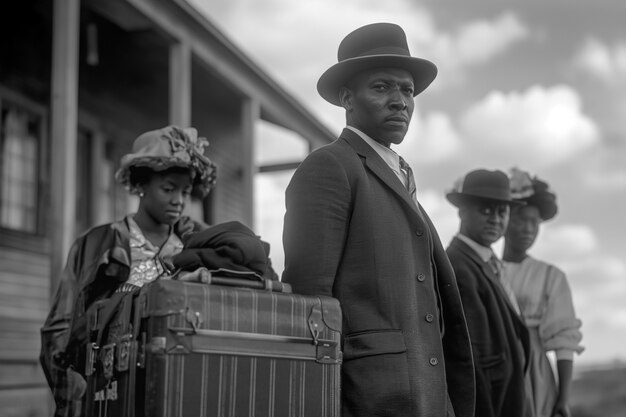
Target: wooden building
79, 80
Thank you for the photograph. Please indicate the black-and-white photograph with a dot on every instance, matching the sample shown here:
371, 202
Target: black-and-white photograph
312, 208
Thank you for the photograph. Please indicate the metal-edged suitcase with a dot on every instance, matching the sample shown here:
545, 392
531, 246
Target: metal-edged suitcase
214, 350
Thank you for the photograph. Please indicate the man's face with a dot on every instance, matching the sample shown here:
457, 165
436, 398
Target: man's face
484, 221
380, 103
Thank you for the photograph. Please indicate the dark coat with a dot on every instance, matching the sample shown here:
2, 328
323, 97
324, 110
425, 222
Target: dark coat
97, 264
499, 337
228, 246
353, 232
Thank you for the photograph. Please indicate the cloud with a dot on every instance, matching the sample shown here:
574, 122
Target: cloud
431, 138
535, 128
605, 62
568, 241
474, 43
593, 274
605, 178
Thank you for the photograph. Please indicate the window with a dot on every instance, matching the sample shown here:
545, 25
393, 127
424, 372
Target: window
94, 178
20, 143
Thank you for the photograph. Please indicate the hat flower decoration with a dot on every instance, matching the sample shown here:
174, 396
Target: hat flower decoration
521, 183
171, 147
533, 191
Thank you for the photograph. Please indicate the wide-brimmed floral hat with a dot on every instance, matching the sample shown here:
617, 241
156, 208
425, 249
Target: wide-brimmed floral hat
171, 147
534, 192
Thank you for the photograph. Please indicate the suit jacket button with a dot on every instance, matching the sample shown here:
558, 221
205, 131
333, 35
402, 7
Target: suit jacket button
421, 277
429, 318
419, 232
434, 361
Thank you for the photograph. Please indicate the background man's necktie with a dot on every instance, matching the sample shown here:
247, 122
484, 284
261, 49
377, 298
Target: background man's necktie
410, 181
496, 266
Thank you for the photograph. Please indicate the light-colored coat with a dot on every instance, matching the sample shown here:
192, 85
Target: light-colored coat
353, 232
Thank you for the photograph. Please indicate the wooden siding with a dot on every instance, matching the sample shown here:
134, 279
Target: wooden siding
24, 303
26, 402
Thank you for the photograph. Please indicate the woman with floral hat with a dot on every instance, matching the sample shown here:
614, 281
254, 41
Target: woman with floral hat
164, 168
543, 295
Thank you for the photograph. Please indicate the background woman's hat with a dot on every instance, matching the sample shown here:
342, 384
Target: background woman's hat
374, 46
533, 192
171, 147
482, 184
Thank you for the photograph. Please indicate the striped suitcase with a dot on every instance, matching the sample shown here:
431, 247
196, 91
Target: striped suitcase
212, 350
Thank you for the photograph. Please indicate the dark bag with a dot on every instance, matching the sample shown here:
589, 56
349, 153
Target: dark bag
111, 356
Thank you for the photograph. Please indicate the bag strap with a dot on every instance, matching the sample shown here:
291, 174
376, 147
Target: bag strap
111, 308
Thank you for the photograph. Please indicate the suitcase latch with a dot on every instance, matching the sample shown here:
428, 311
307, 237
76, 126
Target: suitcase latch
123, 354
316, 325
108, 358
193, 318
327, 352
90, 358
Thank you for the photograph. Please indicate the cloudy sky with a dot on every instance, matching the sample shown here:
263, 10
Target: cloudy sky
528, 83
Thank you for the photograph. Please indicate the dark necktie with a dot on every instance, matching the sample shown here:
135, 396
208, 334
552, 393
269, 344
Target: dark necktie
410, 183
495, 265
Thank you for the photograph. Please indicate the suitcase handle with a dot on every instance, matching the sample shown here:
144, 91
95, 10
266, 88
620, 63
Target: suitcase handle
226, 342
263, 284
232, 278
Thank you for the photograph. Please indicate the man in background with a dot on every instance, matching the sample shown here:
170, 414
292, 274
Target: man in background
499, 338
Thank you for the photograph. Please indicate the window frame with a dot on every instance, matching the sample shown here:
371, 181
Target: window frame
37, 241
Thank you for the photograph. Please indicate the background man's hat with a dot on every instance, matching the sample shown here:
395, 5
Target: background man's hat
377, 45
482, 184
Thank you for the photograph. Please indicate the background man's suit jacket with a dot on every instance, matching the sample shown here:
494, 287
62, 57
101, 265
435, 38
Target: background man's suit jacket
352, 231
499, 337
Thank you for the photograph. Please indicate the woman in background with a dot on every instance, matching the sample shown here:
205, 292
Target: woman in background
543, 295
163, 169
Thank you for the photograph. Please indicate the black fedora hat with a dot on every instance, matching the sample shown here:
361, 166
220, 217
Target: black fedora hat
376, 45
482, 184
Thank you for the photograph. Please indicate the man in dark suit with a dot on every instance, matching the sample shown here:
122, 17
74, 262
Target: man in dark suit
499, 338
354, 230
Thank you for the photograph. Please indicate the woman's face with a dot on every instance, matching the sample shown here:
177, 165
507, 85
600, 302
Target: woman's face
165, 195
523, 228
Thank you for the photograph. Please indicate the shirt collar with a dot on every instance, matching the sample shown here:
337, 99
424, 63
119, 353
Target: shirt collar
138, 239
389, 156
484, 252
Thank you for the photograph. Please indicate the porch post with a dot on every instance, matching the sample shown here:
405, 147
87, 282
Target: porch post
250, 113
180, 84
63, 132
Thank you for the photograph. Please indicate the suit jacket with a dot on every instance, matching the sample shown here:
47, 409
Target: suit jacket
499, 337
353, 232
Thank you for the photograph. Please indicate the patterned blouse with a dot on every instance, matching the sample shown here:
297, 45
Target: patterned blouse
145, 257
